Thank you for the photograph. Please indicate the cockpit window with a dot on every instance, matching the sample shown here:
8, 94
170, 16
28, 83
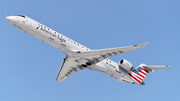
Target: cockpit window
21, 16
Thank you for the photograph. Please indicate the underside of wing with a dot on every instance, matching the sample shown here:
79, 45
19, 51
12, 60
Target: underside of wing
96, 56
69, 66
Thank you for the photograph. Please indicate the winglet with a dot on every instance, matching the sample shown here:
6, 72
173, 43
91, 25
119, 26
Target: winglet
144, 44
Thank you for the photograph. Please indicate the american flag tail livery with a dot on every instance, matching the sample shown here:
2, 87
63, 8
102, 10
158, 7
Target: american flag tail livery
139, 74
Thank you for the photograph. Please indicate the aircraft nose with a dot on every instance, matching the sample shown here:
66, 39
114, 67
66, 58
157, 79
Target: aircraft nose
8, 18
11, 19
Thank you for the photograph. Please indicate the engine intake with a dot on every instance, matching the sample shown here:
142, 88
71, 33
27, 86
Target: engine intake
126, 65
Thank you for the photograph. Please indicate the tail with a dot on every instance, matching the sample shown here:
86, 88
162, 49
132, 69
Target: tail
142, 70
139, 74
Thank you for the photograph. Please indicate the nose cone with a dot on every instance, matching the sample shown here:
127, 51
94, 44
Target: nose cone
8, 18
11, 19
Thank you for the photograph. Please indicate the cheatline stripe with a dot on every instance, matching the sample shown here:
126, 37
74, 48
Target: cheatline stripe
138, 76
133, 75
135, 78
142, 75
146, 71
143, 72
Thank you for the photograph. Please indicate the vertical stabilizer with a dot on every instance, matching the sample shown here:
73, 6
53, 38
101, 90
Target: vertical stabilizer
139, 74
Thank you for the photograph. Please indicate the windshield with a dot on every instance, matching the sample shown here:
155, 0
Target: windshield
21, 16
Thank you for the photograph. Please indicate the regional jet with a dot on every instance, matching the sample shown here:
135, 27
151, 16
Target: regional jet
79, 57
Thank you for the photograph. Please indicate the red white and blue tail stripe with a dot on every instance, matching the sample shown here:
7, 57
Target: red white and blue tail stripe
139, 74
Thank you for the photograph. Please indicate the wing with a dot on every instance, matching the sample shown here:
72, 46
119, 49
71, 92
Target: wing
96, 56
69, 66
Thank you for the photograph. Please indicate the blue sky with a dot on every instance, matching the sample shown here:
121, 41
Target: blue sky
28, 67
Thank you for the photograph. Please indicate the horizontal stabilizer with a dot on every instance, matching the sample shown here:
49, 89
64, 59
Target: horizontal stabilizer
155, 67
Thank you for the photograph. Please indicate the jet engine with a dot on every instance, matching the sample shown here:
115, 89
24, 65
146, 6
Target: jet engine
126, 65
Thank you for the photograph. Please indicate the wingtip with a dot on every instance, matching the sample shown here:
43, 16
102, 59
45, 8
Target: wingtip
168, 66
144, 44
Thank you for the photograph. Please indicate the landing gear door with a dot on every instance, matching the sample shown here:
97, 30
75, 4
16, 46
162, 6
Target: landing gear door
117, 68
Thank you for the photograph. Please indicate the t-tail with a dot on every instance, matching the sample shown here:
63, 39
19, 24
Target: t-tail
141, 72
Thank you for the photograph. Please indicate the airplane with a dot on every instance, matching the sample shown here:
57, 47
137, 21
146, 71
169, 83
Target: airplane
79, 57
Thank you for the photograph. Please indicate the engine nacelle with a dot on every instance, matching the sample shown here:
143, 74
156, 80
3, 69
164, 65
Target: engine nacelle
126, 65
